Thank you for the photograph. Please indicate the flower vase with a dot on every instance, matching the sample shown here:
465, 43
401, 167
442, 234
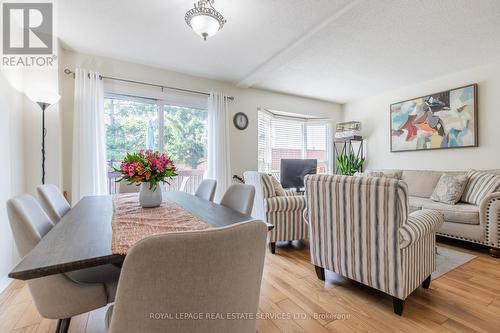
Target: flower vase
150, 198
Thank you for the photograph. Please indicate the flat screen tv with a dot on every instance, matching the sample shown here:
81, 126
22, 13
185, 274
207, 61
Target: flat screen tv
294, 170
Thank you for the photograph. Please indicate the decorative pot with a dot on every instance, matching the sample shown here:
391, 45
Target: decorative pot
150, 198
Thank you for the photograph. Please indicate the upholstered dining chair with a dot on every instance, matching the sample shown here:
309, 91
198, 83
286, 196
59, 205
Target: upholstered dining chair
360, 228
239, 197
55, 296
220, 274
281, 208
206, 189
124, 187
53, 201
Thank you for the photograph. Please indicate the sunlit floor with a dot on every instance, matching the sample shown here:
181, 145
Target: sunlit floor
466, 299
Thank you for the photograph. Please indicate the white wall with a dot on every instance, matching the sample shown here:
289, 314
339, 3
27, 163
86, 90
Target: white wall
243, 143
374, 114
12, 152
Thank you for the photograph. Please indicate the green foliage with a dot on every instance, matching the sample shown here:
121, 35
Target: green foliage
349, 164
185, 136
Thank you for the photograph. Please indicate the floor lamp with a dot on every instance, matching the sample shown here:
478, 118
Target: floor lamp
44, 101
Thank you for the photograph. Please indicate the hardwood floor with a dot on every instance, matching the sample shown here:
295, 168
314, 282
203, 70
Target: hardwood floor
466, 299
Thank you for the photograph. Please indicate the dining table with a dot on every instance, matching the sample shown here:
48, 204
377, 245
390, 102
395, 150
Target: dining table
83, 237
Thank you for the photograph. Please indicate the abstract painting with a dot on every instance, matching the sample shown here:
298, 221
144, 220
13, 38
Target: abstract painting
443, 120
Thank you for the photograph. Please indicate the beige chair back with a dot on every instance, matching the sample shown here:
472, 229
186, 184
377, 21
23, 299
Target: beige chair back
218, 271
239, 197
28, 221
53, 201
206, 189
55, 296
124, 187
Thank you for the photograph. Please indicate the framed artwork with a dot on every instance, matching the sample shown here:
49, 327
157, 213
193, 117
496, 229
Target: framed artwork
443, 120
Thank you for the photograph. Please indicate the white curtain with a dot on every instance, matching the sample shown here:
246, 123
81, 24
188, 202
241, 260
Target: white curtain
219, 165
89, 145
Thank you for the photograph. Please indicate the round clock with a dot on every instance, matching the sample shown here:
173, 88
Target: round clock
240, 121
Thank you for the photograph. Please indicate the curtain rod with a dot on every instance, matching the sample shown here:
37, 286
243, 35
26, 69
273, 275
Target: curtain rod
68, 72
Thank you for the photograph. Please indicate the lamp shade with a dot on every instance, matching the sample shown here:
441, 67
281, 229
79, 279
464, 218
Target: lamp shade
205, 25
45, 97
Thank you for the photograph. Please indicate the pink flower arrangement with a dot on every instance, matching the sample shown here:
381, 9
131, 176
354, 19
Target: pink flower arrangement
146, 166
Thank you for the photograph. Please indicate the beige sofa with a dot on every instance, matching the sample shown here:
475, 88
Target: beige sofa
476, 224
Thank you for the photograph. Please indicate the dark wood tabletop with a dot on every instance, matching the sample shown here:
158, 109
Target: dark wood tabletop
82, 238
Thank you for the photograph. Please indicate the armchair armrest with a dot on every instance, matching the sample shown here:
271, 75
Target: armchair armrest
419, 224
292, 193
489, 213
285, 204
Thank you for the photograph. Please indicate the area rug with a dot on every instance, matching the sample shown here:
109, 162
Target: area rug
448, 259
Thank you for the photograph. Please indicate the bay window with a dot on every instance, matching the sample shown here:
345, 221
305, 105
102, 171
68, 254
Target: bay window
285, 137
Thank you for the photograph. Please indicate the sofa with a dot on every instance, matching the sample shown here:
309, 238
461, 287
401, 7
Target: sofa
478, 224
360, 228
281, 208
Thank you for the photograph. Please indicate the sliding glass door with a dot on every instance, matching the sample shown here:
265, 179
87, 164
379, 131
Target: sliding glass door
135, 123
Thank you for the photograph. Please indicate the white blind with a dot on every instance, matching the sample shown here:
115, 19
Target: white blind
285, 137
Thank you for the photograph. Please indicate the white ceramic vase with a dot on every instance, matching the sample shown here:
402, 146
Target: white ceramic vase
150, 198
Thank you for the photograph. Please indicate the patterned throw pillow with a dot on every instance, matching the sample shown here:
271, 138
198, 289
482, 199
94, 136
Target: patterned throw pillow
480, 184
388, 173
278, 189
449, 188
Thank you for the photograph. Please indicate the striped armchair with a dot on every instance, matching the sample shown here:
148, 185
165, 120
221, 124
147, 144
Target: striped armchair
284, 211
360, 229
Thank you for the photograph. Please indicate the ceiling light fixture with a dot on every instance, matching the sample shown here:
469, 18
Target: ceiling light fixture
204, 19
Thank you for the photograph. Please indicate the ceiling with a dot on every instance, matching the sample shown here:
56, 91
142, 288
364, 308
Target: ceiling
335, 50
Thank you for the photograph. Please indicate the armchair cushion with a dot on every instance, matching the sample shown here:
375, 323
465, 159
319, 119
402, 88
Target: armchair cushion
285, 204
278, 189
420, 224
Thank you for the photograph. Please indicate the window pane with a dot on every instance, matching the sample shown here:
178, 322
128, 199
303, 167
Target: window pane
283, 138
185, 141
317, 136
130, 126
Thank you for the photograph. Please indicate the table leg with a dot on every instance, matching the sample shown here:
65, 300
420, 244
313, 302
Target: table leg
63, 325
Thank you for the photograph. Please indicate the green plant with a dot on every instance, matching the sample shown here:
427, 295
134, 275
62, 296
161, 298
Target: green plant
349, 164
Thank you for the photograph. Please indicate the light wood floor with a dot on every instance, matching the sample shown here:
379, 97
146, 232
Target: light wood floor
464, 300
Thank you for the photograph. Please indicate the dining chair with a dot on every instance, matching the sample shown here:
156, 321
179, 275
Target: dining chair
239, 197
55, 296
206, 189
53, 201
220, 274
125, 187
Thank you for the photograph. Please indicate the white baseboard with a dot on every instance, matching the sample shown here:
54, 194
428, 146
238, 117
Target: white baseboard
4, 283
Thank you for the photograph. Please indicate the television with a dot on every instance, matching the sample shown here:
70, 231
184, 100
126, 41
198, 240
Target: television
294, 170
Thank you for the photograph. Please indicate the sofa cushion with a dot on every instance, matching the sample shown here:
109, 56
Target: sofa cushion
459, 213
449, 188
480, 184
416, 203
421, 183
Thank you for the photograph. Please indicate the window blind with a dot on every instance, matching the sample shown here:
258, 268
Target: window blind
287, 137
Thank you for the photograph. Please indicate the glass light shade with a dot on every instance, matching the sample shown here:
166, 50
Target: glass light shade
204, 25
46, 97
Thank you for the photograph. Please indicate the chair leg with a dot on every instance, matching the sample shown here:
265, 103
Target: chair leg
398, 305
63, 325
320, 272
427, 282
272, 247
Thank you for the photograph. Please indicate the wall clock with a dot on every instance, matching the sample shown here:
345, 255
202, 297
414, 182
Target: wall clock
240, 121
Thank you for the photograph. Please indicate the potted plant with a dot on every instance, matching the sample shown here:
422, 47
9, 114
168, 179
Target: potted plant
348, 164
148, 169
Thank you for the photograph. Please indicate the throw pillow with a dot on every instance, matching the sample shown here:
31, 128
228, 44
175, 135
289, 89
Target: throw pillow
278, 189
449, 188
480, 184
396, 174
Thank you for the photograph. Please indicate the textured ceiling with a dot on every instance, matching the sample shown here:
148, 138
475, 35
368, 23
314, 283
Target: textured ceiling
335, 50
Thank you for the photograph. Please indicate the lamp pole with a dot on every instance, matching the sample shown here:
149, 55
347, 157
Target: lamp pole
43, 106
